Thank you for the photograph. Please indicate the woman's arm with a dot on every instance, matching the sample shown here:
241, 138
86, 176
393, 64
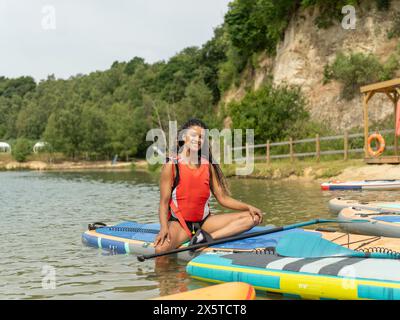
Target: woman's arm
165, 195
228, 202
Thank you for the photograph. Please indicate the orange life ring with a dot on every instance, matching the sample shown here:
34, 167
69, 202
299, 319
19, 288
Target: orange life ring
381, 142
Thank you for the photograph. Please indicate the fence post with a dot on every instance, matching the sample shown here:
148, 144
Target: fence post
291, 149
317, 147
268, 153
346, 145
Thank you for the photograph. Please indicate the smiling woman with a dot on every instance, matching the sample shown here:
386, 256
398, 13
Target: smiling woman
186, 185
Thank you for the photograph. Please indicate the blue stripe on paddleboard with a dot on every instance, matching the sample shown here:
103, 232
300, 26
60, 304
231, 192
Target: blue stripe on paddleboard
393, 219
378, 293
89, 240
332, 187
112, 245
388, 205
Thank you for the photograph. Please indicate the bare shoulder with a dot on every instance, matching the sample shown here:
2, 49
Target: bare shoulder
166, 169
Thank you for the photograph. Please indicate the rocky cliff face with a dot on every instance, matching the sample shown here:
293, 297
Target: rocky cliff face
304, 52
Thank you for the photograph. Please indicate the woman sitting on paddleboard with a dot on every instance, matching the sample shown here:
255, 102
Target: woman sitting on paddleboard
186, 184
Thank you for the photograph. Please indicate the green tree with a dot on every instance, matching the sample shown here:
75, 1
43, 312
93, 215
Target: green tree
94, 131
21, 149
212, 56
133, 64
270, 111
64, 131
31, 121
255, 25
177, 74
197, 103
125, 129
18, 86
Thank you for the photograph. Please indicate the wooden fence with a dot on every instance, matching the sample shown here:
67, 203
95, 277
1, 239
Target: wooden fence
317, 153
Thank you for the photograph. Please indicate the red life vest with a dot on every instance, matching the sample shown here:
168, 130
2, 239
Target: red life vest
190, 198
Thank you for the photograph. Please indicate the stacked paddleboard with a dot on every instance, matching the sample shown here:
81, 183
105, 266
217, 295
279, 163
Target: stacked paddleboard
362, 185
381, 218
338, 204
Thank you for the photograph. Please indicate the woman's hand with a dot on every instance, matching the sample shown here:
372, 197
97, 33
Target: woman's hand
162, 236
256, 214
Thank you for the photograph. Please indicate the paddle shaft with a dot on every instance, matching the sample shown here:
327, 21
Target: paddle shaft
235, 238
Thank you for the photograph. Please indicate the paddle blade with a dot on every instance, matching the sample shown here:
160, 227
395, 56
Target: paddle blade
303, 245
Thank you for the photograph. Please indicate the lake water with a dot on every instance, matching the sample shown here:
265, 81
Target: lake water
43, 215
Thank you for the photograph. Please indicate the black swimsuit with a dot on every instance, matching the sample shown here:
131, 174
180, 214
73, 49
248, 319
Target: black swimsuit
193, 226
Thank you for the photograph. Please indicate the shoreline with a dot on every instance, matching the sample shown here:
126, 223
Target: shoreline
71, 165
280, 171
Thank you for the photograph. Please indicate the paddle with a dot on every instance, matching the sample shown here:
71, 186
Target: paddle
304, 245
243, 236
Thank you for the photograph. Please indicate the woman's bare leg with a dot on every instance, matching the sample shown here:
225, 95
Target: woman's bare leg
176, 235
229, 224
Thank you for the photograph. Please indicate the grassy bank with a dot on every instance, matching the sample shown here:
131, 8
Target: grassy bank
307, 169
284, 169
60, 163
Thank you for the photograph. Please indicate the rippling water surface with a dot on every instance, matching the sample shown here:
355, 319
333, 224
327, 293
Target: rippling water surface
43, 215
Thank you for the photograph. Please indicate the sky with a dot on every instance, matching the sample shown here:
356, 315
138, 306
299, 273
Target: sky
67, 37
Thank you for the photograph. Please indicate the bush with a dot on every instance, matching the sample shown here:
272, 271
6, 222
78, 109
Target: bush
22, 149
228, 73
270, 111
358, 69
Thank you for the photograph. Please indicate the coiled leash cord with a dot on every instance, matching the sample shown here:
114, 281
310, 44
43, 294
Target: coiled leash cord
390, 252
